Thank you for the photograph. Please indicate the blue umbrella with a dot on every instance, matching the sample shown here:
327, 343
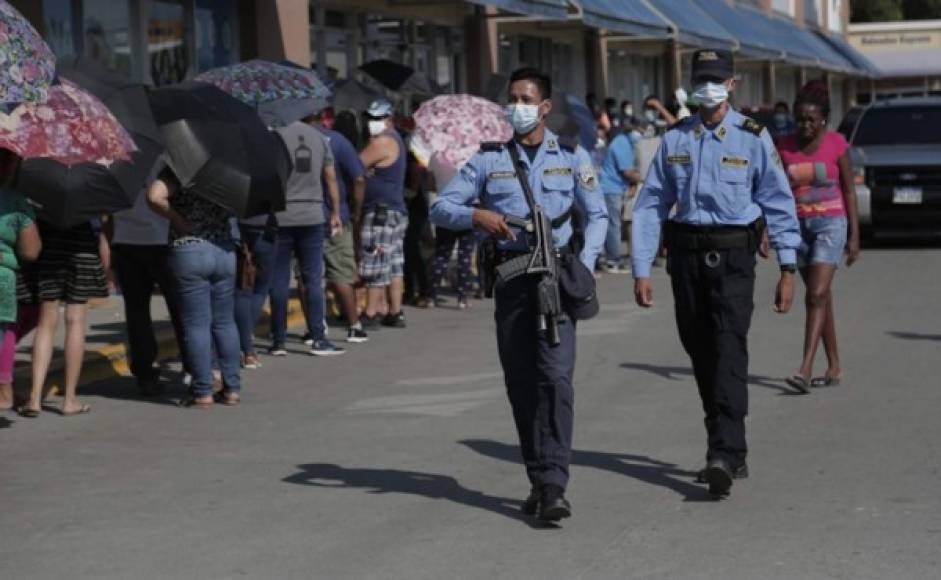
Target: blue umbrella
571, 117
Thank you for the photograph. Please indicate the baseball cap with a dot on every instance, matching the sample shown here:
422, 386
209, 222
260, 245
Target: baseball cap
379, 109
714, 63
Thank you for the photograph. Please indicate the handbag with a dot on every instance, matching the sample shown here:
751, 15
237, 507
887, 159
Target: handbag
246, 269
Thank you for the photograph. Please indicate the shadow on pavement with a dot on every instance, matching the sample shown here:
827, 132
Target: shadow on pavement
914, 335
126, 389
638, 467
5, 423
429, 485
679, 373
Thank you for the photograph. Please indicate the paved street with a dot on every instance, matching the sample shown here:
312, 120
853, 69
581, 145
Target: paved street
398, 460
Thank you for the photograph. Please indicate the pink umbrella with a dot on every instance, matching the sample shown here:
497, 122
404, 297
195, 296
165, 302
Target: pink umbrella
450, 129
71, 127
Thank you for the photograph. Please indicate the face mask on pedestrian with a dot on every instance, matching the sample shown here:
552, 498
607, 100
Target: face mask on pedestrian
711, 95
523, 118
376, 127
628, 111
650, 115
780, 120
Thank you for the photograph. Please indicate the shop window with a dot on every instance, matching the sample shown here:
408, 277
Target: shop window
783, 6
167, 42
216, 34
98, 30
62, 21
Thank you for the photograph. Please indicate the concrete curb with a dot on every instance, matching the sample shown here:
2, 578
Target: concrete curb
111, 360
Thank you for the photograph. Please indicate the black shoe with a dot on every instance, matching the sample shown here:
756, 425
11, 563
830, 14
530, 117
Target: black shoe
531, 505
553, 506
150, 387
719, 477
394, 320
740, 472
370, 322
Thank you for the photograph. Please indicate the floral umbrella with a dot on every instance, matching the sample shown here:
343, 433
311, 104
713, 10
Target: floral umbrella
71, 127
451, 128
282, 92
27, 65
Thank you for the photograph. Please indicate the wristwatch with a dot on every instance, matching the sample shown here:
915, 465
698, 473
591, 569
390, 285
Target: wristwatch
789, 268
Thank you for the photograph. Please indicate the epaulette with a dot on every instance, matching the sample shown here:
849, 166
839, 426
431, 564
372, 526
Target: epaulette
492, 146
568, 142
753, 126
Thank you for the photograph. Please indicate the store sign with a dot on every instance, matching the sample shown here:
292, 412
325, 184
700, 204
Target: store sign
896, 41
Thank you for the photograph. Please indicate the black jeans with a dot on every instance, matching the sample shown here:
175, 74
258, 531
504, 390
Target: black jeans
138, 268
538, 380
714, 305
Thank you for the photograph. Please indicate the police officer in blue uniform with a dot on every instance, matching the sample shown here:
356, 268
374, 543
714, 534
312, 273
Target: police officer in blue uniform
721, 172
538, 375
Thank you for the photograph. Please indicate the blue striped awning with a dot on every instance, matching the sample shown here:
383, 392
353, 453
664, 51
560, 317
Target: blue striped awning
862, 64
693, 25
632, 17
751, 28
551, 9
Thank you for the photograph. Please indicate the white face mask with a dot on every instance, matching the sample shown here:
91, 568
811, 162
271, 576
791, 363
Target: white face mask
711, 95
376, 127
523, 118
628, 111
650, 115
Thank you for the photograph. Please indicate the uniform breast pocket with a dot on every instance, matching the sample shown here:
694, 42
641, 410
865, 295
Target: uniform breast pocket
563, 184
498, 189
734, 191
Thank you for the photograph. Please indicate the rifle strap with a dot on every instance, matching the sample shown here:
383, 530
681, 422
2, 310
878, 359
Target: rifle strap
521, 175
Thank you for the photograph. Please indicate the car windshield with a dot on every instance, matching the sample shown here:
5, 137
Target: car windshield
900, 126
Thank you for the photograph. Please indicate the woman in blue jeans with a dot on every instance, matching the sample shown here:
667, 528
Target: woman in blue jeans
260, 237
202, 260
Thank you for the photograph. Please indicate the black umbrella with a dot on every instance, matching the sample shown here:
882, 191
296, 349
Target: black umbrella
354, 95
219, 148
70, 195
400, 78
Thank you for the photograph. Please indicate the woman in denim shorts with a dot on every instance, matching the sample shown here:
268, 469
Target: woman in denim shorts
818, 166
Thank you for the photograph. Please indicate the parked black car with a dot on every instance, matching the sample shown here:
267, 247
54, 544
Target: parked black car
897, 156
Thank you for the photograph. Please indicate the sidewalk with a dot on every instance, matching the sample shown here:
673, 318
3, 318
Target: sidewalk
106, 348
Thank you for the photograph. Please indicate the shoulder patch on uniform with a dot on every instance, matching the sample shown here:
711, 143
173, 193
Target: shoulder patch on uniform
568, 142
753, 126
492, 146
587, 176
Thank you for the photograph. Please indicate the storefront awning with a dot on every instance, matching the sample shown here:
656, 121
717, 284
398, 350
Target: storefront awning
862, 64
553, 9
693, 25
908, 63
632, 17
751, 28
827, 56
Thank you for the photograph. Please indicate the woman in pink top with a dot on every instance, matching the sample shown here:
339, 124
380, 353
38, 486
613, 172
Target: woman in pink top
818, 166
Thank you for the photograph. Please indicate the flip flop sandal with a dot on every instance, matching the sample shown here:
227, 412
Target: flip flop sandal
228, 399
818, 382
28, 412
799, 383
191, 402
83, 410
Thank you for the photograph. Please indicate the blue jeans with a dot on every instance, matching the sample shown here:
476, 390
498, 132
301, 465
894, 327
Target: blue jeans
612, 240
248, 302
205, 277
307, 243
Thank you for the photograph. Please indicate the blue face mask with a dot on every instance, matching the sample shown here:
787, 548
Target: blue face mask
523, 118
780, 120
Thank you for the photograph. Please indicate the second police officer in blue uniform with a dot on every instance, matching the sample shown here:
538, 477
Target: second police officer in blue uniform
538, 375
723, 175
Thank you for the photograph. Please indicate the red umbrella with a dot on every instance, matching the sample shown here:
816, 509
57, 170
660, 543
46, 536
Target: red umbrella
71, 127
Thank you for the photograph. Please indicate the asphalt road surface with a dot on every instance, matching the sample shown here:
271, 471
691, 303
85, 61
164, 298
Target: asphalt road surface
398, 460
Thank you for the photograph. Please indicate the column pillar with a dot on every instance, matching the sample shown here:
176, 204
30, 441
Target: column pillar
770, 84
283, 30
482, 49
596, 71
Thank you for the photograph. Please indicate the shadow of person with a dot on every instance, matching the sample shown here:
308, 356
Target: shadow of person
680, 373
428, 485
5, 423
913, 335
639, 467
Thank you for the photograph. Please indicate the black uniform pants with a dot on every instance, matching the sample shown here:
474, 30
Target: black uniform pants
538, 380
714, 304
138, 268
